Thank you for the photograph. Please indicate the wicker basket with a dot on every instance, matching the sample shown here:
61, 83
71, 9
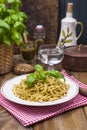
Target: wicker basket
6, 58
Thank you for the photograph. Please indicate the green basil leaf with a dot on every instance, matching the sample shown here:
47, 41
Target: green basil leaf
8, 20
4, 24
2, 31
22, 15
43, 76
56, 74
17, 37
13, 1
14, 17
38, 68
19, 24
31, 79
11, 11
7, 40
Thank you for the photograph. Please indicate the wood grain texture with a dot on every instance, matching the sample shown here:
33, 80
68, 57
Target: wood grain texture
73, 120
81, 76
44, 13
7, 122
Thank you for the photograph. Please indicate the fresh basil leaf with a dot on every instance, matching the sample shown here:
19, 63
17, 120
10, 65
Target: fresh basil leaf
8, 20
11, 11
38, 68
19, 24
52, 73
43, 76
56, 74
14, 17
13, 1
31, 79
7, 40
4, 24
23, 15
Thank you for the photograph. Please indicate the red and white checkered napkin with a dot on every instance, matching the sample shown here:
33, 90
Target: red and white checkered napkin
29, 115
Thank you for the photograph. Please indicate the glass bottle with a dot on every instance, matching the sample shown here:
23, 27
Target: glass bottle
39, 35
68, 28
39, 32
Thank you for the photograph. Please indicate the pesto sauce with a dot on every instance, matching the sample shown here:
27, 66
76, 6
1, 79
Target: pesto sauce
28, 53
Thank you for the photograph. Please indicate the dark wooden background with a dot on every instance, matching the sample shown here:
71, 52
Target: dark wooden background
44, 12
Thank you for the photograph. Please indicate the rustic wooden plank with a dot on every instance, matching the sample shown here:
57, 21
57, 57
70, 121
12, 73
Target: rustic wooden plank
85, 110
1, 109
45, 13
5, 78
51, 124
7, 122
81, 76
73, 120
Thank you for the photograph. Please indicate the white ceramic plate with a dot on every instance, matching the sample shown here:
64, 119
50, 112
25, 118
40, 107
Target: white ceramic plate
7, 87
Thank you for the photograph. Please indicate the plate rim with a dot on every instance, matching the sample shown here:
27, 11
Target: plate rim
30, 103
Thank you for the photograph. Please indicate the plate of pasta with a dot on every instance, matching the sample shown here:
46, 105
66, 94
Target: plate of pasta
52, 92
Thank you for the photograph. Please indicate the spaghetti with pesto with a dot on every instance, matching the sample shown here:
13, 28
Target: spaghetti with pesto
42, 91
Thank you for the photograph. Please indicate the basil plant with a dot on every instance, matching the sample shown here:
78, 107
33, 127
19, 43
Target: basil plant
12, 22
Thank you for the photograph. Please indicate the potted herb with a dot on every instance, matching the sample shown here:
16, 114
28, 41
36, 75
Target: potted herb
11, 22
12, 27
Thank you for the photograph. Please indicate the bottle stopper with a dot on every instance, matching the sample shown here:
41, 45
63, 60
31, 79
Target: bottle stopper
69, 7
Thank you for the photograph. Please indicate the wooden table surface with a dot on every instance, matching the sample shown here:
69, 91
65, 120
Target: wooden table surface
75, 119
